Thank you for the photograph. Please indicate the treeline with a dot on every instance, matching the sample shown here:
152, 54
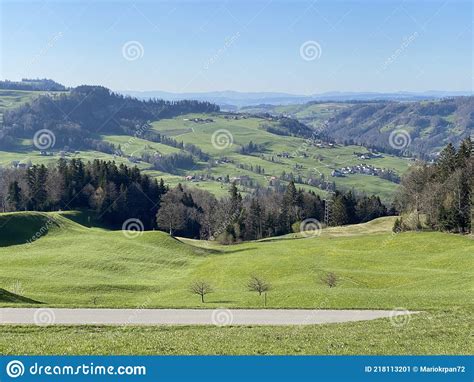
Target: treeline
251, 148
265, 213
86, 111
440, 196
115, 192
118, 193
173, 163
43, 84
289, 127
154, 136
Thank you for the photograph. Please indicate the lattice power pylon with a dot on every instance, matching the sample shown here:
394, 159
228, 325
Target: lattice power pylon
327, 212
328, 207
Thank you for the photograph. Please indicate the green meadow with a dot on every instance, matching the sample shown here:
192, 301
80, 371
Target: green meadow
73, 265
77, 263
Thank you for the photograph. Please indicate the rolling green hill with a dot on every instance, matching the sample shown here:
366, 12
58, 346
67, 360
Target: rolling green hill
315, 114
279, 155
304, 160
72, 265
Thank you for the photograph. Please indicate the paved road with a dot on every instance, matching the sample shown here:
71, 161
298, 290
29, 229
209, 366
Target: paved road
46, 316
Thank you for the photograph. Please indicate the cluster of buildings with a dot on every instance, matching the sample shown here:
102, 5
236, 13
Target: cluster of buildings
369, 155
235, 117
325, 145
365, 169
200, 120
18, 164
62, 153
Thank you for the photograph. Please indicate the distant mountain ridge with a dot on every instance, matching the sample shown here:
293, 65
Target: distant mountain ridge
234, 99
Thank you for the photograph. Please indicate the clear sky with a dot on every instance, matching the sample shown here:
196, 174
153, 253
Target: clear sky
299, 47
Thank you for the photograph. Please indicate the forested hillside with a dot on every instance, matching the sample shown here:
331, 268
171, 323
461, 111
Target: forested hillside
77, 117
27, 84
429, 126
420, 128
440, 196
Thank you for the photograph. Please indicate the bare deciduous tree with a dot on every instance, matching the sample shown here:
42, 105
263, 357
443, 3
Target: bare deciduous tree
172, 214
259, 285
201, 288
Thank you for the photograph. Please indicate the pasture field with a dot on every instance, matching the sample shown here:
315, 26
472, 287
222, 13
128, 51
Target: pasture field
78, 263
304, 159
77, 266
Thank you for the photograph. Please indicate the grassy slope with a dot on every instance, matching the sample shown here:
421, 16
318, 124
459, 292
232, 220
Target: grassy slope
73, 265
317, 161
311, 114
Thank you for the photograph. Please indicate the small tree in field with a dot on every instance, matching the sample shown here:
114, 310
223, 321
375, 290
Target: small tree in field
330, 279
200, 288
259, 285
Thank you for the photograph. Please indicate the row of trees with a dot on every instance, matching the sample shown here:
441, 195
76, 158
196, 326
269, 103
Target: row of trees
264, 213
117, 193
440, 196
254, 284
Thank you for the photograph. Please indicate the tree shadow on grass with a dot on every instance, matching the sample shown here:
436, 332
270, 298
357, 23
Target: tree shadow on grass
9, 297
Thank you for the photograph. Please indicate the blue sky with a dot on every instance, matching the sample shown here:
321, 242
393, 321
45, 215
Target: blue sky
299, 47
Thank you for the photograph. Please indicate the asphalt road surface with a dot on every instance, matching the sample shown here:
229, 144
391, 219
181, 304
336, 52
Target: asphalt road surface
221, 317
